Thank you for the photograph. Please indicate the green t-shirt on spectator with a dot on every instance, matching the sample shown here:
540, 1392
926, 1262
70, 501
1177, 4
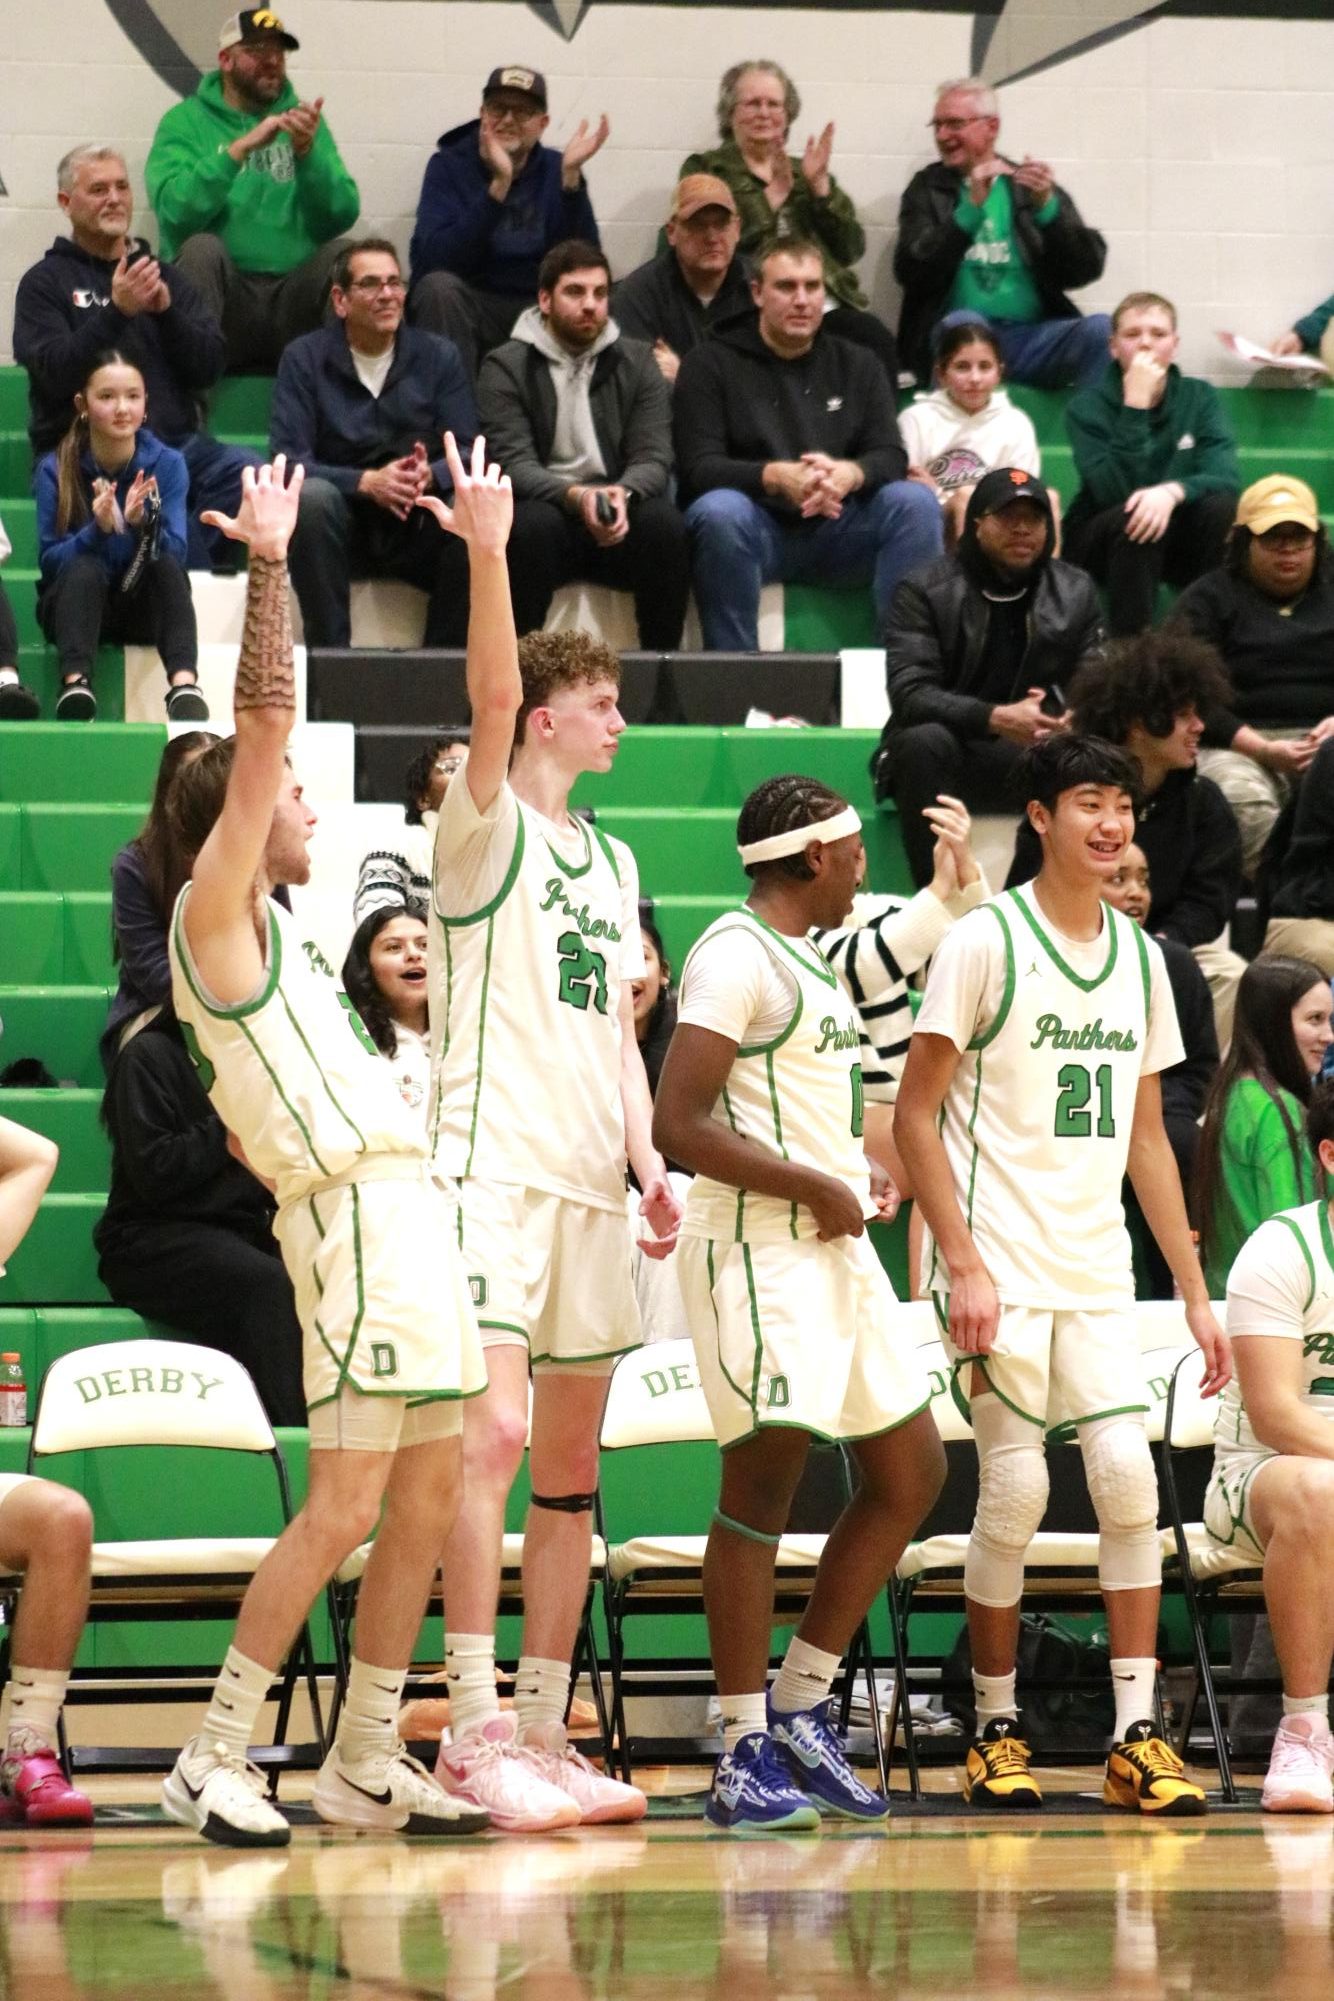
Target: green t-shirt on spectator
1258, 1175
993, 277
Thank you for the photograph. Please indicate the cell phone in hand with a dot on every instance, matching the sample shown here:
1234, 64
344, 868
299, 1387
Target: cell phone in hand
604, 508
1053, 703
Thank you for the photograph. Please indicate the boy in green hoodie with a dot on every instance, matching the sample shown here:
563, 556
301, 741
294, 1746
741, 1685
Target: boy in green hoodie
250, 192
1157, 465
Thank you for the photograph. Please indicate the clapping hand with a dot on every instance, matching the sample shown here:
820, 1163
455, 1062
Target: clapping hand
139, 287
1037, 177
815, 162
140, 487
953, 861
580, 149
106, 509
780, 182
301, 124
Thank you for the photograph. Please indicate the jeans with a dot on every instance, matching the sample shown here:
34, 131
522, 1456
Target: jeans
1055, 354
737, 545
215, 483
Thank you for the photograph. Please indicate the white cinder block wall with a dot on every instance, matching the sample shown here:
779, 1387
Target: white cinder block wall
1202, 148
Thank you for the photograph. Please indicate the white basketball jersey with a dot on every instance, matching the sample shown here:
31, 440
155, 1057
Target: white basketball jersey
799, 1094
1282, 1283
1037, 1118
292, 1072
525, 1017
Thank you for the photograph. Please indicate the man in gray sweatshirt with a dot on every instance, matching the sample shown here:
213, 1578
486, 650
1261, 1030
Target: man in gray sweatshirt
580, 419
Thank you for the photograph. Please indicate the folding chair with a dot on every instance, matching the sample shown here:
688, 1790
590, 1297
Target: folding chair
168, 1393
1212, 1579
657, 1425
1061, 1570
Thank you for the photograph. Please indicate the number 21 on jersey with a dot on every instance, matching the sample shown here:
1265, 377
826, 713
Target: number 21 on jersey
1074, 1120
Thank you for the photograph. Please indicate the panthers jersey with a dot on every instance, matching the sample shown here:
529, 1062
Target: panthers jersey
1282, 1284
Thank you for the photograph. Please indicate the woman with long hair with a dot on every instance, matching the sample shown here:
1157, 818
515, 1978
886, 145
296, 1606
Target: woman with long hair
1253, 1158
384, 976
111, 529
146, 879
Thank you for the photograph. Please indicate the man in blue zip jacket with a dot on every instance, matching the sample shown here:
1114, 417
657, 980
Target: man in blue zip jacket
493, 202
363, 405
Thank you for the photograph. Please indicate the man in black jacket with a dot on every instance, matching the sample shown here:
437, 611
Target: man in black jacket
979, 231
1150, 694
979, 650
695, 284
101, 287
789, 457
363, 405
580, 420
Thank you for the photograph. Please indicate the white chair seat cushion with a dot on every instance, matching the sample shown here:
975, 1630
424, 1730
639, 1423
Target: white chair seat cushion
646, 1554
1208, 1559
1046, 1552
180, 1556
511, 1560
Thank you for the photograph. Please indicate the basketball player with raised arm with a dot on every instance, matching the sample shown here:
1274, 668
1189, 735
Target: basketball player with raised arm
1031, 1089
539, 1093
389, 1354
790, 1310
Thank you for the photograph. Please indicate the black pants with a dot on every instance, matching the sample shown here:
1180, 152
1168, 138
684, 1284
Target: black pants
550, 547
9, 633
867, 330
1183, 1136
476, 321
1131, 572
220, 1289
85, 605
259, 311
916, 763
338, 538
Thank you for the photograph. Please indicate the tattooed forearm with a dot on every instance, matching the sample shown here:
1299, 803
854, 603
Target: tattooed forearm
264, 674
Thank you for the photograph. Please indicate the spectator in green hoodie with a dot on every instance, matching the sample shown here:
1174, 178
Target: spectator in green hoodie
1157, 466
250, 193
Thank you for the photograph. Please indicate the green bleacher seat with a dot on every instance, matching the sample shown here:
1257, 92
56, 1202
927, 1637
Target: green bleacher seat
11, 833
50, 939
56, 1263
37, 762
20, 519
718, 767
240, 403
73, 1120
692, 850
59, 1024
13, 398
71, 845
41, 670
15, 462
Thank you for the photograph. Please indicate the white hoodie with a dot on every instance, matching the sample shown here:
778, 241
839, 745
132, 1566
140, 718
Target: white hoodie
956, 449
575, 452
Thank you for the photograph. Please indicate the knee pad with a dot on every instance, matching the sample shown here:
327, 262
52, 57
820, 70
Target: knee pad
1124, 1490
564, 1504
1012, 1491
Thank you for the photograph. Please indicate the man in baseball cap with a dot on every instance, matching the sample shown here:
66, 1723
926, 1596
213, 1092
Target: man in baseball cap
980, 647
494, 200
250, 194
1269, 610
678, 297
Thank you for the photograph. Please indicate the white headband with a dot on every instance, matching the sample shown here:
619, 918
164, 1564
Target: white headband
849, 821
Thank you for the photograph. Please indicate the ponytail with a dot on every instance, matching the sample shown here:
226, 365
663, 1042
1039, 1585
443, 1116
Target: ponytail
72, 503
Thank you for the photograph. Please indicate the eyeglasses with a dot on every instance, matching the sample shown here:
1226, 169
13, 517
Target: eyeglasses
369, 286
519, 113
759, 104
449, 764
953, 124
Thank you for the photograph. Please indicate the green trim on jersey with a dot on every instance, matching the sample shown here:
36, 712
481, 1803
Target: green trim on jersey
292, 1111
1027, 1415
1144, 971
481, 1044
273, 970
1326, 1238
343, 1362
825, 1437
511, 876
754, 1398
747, 1048
506, 1327
1096, 1416
740, 1193
979, 1042
438, 1069
575, 869
1306, 1252
1085, 986
612, 863
717, 1330
302, 1038
819, 965
778, 1128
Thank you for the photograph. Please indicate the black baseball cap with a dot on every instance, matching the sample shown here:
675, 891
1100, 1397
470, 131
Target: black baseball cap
1002, 488
514, 76
249, 25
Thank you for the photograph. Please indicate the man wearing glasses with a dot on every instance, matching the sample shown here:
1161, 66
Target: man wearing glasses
985, 234
363, 405
493, 202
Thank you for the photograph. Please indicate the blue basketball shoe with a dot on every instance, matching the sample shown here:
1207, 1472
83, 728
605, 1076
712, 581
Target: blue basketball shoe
753, 1793
815, 1759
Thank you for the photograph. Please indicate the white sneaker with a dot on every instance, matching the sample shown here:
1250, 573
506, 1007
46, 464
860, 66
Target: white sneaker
599, 1798
218, 1793
392, 1793
488, 1769
1301, 1765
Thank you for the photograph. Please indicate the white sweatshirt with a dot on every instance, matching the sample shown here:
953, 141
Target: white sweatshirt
957, 449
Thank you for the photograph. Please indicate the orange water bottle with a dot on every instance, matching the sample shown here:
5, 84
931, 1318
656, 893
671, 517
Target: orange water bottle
13, 1392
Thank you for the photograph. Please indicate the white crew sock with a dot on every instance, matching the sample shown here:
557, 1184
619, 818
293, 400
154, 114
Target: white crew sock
995, 1697
470, 1672
238, 1695
743, 1716
1307, 1705
35, 1696
368, 1726
805, 1678
1132, 1686
541, 1692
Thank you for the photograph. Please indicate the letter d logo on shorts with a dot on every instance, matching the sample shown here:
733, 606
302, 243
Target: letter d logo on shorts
384, 1358
779, 1395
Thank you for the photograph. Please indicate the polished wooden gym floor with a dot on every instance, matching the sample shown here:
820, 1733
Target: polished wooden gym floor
1072, 1902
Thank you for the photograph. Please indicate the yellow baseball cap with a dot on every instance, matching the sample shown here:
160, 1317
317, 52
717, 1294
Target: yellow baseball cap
1275, 500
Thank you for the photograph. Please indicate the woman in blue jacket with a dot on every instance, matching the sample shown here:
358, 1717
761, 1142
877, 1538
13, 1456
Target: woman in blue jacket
111, 529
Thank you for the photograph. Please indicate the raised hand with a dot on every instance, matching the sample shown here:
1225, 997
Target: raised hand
955, 865
815, 162
483, 508
580, 149
267, 514
1037, 177
301, 124
494, 157
140, 487
106, 511
780, 182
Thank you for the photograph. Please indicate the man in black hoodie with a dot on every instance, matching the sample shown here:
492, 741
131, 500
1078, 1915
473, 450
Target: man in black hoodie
789, 458
101, 287
979, 649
